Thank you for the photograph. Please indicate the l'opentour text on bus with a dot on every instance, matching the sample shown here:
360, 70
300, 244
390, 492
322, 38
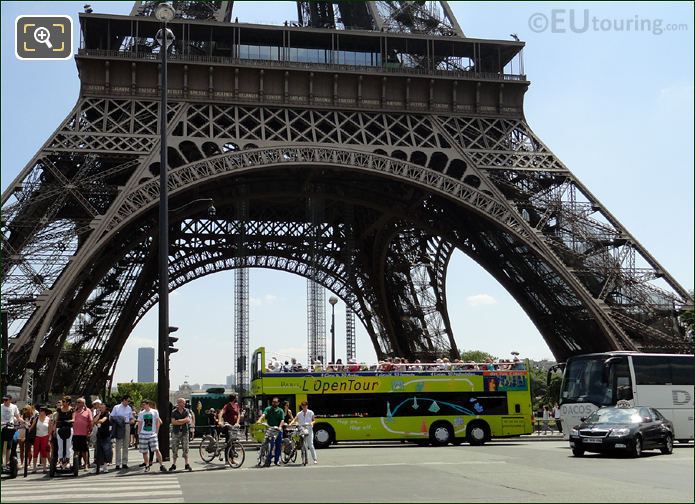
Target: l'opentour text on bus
661, 381
439, 407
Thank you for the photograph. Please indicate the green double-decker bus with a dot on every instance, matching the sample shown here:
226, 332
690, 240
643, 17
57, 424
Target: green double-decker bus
437, 407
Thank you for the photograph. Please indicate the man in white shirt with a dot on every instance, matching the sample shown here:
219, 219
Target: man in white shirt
10, 420
148, 427
122, 415
305, 418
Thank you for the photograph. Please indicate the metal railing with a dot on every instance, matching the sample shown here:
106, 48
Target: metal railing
297, 65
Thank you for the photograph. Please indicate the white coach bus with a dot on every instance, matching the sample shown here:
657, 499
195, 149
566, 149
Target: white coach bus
661, 381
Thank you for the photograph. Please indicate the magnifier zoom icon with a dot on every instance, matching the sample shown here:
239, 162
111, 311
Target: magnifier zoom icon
43, 36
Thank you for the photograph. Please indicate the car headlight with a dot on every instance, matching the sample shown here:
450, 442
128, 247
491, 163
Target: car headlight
574, 432
619, 432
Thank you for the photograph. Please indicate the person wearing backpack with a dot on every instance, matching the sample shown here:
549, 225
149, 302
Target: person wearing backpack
180, 420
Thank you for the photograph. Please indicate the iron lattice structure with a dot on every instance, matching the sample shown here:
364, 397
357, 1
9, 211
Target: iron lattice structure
241, 301
411, 136
241, 330
315, 319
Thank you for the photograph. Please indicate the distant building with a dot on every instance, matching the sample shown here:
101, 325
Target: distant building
231, 380
145, 365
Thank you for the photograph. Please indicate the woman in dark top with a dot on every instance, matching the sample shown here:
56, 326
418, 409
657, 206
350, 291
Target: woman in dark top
103, 436
64, 432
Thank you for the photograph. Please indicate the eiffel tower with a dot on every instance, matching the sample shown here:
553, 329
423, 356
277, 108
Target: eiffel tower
407, 136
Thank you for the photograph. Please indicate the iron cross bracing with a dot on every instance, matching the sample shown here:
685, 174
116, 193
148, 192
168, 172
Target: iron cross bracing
413, 140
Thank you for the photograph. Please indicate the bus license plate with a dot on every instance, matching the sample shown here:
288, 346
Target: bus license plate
593, 440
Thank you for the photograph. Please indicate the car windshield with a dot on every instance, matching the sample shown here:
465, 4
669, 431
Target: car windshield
615, 415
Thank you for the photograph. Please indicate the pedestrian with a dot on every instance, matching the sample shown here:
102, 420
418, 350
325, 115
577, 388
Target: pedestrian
103, 440
148, 427
191, 426
212, 422
556, 416
10, 420
63, 428
82, 421
93, 435
275, 416
305, 418
41, 424
121, 419
26, 441
180, 421
546, 419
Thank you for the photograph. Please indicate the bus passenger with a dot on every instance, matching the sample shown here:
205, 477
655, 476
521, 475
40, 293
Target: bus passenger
305, 418
274, 415
353, 367
318, 366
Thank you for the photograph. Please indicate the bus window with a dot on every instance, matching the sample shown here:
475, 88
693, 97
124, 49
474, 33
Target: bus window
682, 369
583, 382
256, 365
652, 370
620, 380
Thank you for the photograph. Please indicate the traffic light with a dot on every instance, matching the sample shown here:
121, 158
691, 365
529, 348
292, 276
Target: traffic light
171, 340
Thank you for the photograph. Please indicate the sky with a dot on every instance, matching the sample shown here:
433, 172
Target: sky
615, 106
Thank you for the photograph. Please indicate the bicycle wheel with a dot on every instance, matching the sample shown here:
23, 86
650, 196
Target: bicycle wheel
263, 453
208, 448
286, 451
235, 455
304, 454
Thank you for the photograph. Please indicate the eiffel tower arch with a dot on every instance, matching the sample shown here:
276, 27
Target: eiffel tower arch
407, 136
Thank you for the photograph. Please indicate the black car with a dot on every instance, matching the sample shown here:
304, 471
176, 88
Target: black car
630, 429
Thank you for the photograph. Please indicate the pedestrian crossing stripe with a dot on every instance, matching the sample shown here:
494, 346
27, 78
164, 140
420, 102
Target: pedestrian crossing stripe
151, 488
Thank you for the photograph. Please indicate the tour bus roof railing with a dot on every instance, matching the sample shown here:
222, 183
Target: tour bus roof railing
425, 366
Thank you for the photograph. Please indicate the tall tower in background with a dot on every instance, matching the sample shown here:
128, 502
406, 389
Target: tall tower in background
145, 365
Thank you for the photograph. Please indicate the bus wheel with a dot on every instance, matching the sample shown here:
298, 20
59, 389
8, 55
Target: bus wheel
477, 433
441, 433
323, 435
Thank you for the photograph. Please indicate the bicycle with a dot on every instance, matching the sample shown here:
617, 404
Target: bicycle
289, 445
211, 447
302, 434
271, 433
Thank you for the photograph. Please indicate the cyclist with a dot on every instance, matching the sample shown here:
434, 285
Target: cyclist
180, 421
274, 415
305, 418
229, 414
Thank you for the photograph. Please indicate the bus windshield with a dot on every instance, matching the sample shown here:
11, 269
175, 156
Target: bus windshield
583, 382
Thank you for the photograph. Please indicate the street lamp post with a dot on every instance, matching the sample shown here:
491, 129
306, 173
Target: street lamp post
164, 12
333, 300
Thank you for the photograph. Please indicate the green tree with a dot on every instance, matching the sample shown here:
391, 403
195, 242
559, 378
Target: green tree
137, 391
476, 356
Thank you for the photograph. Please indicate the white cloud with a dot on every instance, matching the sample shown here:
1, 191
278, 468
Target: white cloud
265, 300
480, 300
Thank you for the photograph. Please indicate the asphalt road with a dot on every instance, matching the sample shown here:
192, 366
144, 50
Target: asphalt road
502, 471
